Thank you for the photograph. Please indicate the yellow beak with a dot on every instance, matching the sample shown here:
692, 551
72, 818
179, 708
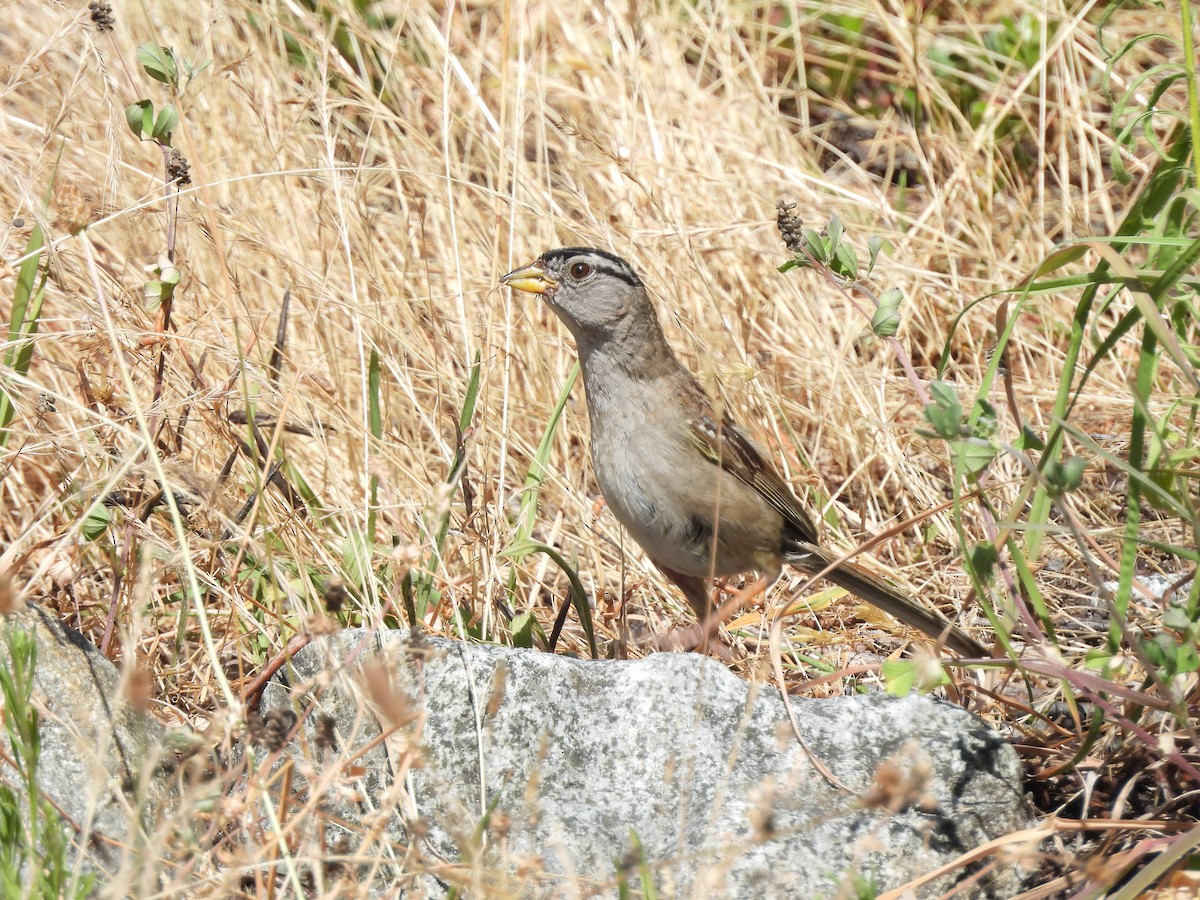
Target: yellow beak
531, 279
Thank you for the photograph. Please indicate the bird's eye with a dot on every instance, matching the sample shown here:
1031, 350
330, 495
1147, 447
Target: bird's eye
580, 270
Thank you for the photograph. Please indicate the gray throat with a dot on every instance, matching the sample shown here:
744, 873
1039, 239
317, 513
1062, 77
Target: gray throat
623, 377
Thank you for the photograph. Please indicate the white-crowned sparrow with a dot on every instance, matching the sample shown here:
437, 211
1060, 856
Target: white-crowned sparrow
692, 491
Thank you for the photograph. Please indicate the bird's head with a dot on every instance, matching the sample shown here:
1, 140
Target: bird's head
596, 294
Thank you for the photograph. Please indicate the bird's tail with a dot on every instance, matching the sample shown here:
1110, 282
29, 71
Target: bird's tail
812, 559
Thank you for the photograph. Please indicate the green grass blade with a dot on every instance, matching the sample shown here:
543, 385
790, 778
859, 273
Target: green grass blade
527, 515
1160, 190
23, 324
578, 594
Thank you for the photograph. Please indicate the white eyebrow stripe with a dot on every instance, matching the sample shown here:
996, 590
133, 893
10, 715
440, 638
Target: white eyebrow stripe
601, 260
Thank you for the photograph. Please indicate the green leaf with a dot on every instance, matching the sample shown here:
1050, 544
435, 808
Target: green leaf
984, 559
874, 245
164, 124
1029, 440
891, 298
646, 873
25, 312
1169, 656
1186, 658
976, 455
816, 245
96, 522
1074, 467
1056, 260
834, 230
1159, 650
886, 320
357, 556
900, 676
375, 403
846, 261
1176, 618
945, 412
152, 292
140, 117
1099, 659
194, 69
578, 594
1066, 476
472, 395
522, 629
793, 264
527, 516
156, 293
158, 61
987, 423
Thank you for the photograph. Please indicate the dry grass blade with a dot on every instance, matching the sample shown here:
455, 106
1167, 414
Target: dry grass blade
380, 165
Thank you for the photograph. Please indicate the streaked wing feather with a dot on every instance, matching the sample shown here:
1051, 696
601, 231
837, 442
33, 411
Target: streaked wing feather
728, 448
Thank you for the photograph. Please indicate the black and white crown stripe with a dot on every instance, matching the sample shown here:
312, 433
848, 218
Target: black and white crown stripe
601, 260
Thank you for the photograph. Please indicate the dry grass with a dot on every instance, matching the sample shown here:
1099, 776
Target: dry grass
389, 206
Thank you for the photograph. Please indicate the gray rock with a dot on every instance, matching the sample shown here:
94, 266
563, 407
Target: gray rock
541, 775
98, 760
1156, 584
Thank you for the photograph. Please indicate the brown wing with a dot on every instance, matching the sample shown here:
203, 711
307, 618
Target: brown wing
727, 447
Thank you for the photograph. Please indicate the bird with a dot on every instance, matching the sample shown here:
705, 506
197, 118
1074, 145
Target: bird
699, 498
